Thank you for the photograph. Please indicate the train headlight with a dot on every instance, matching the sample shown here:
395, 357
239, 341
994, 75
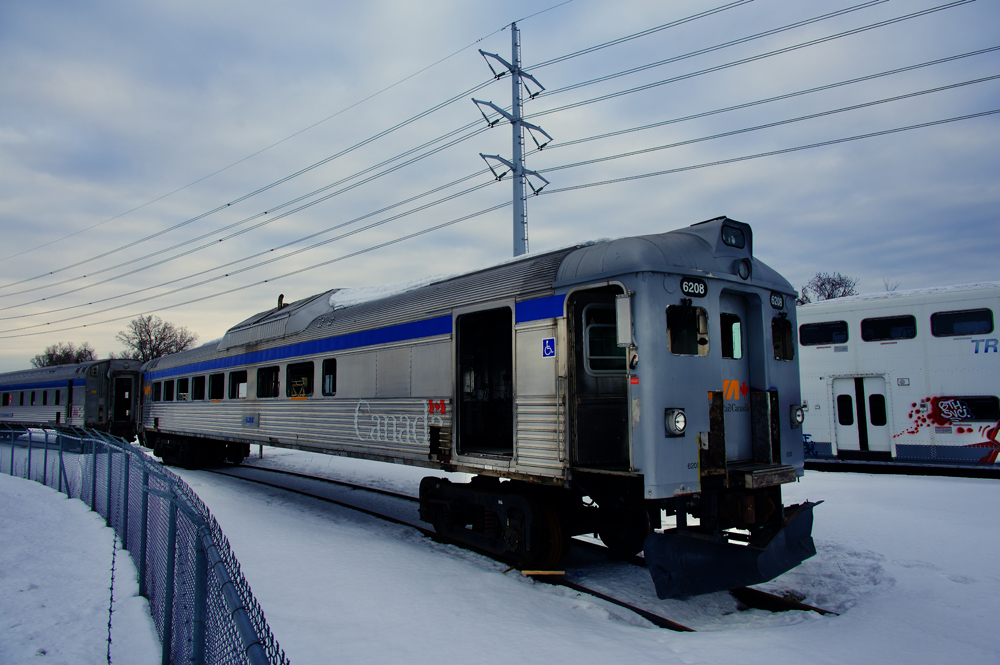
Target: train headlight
674, 422
797, 415
743, 269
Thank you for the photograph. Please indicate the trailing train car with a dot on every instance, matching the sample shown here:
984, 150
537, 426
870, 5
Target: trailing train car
100, 394
588, 389
906, 376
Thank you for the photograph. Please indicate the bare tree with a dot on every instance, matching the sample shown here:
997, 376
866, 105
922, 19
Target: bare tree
64, 354
149, 337
890, 286
826, 286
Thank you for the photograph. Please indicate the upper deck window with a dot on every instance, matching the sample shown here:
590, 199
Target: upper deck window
267, 381
734, 237
299, 380
687, 330
238, 385
216, 386
198, 388
965, 322
889, 327
602, 353
829, 332
782, 338
182, 389
330, 376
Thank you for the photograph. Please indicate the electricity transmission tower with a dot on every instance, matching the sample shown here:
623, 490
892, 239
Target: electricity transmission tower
516, 164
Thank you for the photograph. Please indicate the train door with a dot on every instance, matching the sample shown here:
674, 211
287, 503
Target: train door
121, 410
861, 417
485, 348
599, 401
735, 377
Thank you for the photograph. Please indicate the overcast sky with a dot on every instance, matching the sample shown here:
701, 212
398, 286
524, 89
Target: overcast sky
119, 120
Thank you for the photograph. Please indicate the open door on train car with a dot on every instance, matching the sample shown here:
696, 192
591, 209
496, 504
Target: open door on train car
598, 376
486, 382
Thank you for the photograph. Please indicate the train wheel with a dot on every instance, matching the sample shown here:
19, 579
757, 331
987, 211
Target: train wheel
624, 530
550, 541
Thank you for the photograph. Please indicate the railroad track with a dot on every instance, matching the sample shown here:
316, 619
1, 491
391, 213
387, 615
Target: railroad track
403, 509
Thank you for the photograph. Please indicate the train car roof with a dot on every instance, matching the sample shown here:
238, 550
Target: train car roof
695, 250
882, 296
55, 372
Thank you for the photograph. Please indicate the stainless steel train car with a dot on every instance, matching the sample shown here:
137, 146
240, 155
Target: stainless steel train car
906, 377
588, 389
100, 394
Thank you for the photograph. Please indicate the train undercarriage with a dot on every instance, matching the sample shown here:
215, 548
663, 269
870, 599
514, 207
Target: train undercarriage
721, 539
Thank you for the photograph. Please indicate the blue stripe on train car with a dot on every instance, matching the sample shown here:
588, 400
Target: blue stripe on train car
539, 308
528, 310
42, 385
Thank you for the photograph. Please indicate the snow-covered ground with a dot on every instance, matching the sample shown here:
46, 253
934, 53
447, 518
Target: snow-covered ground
55, 574
907, 561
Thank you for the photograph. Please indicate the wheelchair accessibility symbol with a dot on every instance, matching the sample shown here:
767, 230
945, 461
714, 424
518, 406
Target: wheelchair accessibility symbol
549, 347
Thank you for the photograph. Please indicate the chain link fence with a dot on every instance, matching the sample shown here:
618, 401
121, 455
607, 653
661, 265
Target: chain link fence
201, 605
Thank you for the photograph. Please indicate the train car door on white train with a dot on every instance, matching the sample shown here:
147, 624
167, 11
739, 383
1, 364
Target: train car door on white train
736, 377
861, 415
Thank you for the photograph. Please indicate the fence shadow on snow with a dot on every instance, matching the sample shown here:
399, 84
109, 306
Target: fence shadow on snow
201, 605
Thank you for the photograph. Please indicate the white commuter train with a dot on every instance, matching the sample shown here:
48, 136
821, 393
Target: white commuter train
905, 376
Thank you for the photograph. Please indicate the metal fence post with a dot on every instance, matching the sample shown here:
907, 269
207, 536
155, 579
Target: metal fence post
11, 453
93, 476
107, 498
168, 589
125, 487
62, 467
45, 460
28, 472
142, 533
200, 601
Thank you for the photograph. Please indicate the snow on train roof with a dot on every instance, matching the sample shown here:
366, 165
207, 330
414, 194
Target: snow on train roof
909, 293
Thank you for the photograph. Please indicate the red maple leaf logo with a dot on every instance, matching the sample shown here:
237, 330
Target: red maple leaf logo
744, 389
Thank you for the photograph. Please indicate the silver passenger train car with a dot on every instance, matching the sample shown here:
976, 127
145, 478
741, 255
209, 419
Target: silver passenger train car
100, 394
590, 390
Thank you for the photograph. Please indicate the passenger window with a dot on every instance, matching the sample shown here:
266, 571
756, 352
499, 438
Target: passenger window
32, 398
845, 410
687, 330
330, 376
216, 386
168, 391
782, 338
299, 380
732, 336
157, 391
6, 399
45, 398
830, 332
601, 351
967, 409
20, 401
238, 385
198, 388
182, 389
876, 410
267, 381
889, 327
967, 322
57, 397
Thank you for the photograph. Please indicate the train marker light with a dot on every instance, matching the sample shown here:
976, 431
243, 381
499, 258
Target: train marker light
743, 268
674, 422
797, 415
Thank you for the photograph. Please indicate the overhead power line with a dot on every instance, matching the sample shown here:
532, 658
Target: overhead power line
442, 187
547, 192
287, 138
